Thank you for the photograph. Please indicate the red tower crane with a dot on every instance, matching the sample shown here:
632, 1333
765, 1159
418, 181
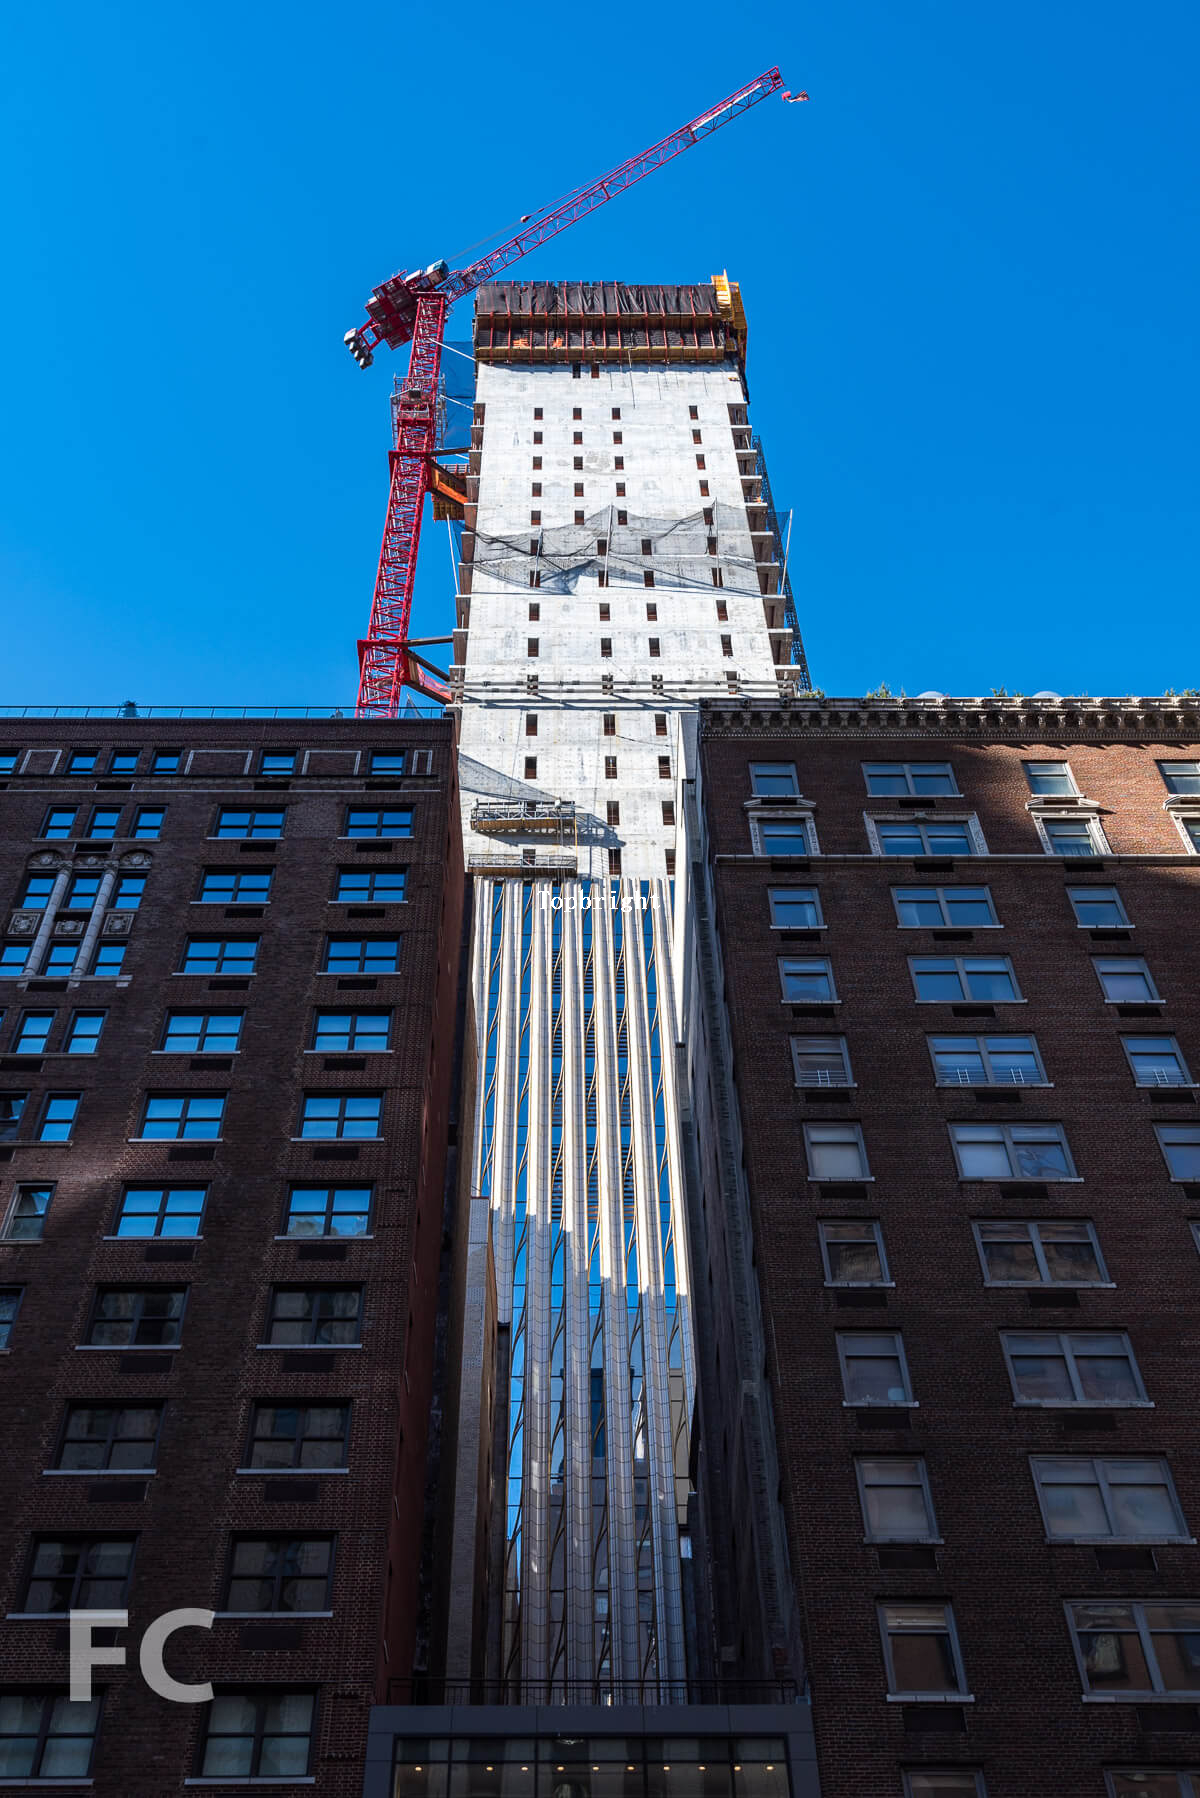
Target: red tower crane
413, 308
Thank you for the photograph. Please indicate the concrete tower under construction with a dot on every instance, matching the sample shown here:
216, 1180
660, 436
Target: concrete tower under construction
621, 562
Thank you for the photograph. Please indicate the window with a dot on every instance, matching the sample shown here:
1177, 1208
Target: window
258, 1735
987, 1061
610, 724
535, 489
614, 861
821, 1061
874, 1371
934, 907
1102, 1498
530, 767
774, 780
58, 823
915, 836
668, 811
202, 1032
219, 955
939, 979
325, 1316
616, 411
535, 518
722, 605
531, 724
337, 1031
610, 767
1019, 1252
127, 895
328, 1211
1166, 1783
537, 413
726, 646
371, 885
84, 1036
613, 811
390, 823
700, 464
781, 836
166, 761
58, 1117
1180, 777
693, 412
655, 647
1053, 779
836, 1152
664, 767
190, 1117
137, 1317
292, 1574
361, 955
660, 724
43, 1735
341, 1114
1191, 829
531, 647
109, 1439
235, 886
1072, 836
696, 437
298, 1435
27, 1218
249, 824
277, 761
950, 1782
921, 1652
606, 646
82, 892
887, 778
795, 908
82, 761
123, 761
1180, 1144
622, 518
10, 1304
535, 611
604, 609
1096, 908
852, 1253
1072, 1367
1144, 1650
13, 957
1156, 1061
60, 958
148, 823
1012, 1152
807, 977
168, 1211
8, 760
35, 894
896, 1502
11, 1107
103, 822
1124, 978
33, 1033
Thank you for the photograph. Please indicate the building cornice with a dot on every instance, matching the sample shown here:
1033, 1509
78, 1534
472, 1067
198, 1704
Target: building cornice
1167, 718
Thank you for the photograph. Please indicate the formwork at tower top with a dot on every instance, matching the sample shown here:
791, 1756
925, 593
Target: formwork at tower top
608, 321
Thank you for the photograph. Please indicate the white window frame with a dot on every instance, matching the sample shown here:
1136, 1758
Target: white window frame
1113, 894
906, 769
1128, 1696
908, 1403
1007, 1139
1098, 1464
1027, 767
1153, 997
871, 1231
1183, 1179
783, 815
947, 922
1033, 1226
1177, 792
976, 1786
780, 771
965, 998
984, 1053
1186, 1780
1155, 1085
1182, 820
810, 1085
1095, 830
828, 966
832, 1179
922, 1480
873, 820
960, 1694
1076, 1402
812, 893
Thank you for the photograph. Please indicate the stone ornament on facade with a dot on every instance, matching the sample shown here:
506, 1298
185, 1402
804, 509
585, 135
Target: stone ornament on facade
137, 858
69, 927
91, 861
24, 923
47, 859
118, 923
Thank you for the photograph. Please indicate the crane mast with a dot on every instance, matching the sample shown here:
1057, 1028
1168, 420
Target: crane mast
412, 308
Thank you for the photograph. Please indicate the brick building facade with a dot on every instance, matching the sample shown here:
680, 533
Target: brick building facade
229, 993
958, 950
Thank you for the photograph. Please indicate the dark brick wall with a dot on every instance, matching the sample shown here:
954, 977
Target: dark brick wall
196, 1499
1027, 1729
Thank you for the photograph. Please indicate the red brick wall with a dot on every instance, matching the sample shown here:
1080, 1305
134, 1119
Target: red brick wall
1028, 1729
196, 1499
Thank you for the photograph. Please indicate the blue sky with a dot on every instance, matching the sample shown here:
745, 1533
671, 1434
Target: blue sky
970, 266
